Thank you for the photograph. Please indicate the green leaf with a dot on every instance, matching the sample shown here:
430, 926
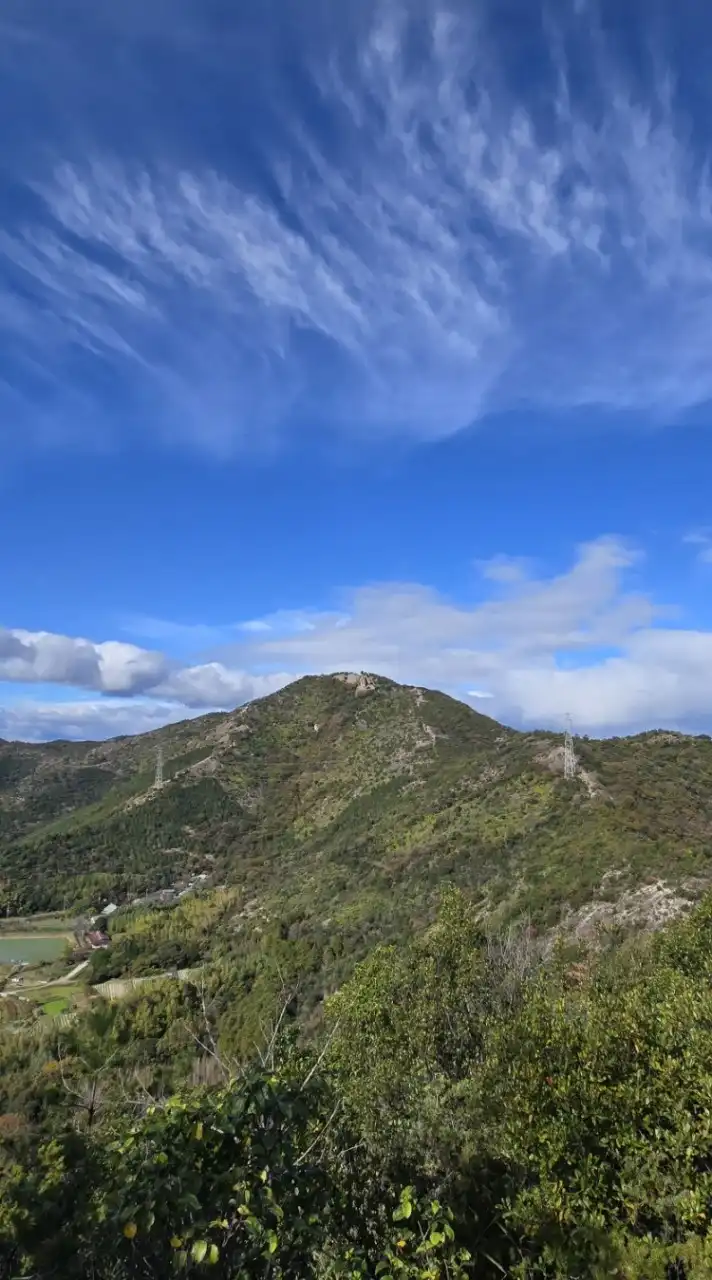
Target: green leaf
199, 1250
213, 1254
272, 1241
405, 1210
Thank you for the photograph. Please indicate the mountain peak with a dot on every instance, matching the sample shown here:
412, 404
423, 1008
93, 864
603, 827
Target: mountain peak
352, 789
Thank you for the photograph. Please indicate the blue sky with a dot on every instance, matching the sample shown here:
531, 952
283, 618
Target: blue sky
367, 336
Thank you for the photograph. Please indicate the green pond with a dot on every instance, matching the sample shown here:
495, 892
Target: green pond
31, 947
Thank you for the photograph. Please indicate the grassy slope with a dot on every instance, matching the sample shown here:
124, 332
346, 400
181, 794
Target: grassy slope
331, 801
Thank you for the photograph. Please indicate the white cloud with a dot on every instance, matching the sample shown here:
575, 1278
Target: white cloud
456, 250
392, 626
114, 668
214, 685
124, 668
702, 539
281, 621
516, 650
32, 721
254, 625
110, 667
583, 641
504, 569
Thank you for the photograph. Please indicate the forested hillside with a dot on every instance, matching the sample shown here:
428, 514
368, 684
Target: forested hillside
354, 794
470, 1108
323, 820
409, 1017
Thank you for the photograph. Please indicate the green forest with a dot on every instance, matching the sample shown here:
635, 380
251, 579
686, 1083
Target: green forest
470, 1104
331, 795
417, 1007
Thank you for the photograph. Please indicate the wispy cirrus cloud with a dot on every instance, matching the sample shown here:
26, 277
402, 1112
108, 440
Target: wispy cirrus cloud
178, 636
416, 233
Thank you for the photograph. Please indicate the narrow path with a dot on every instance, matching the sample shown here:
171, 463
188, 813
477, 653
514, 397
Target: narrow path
45, 982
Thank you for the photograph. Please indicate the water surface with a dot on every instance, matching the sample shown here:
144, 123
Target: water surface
31, 947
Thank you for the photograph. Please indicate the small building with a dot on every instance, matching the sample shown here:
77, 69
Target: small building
97, 939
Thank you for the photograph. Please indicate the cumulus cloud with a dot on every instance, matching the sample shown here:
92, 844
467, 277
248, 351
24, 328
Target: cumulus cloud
582, 642
214, 685
385, 627
109, 667
516, 648
661, 679
115, 668
448, 248
530, 649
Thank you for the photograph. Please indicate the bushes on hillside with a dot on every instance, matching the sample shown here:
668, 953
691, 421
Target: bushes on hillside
566, 1111
474, 1109
237, 1180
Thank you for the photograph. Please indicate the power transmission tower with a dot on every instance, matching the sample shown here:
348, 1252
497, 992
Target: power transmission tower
569, 754
159, 768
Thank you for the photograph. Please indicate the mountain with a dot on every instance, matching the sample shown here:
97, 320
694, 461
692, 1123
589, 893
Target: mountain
352, 798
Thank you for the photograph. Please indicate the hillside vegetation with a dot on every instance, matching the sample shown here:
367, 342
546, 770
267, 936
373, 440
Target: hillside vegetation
350, 797
413, 1020
470, 1109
